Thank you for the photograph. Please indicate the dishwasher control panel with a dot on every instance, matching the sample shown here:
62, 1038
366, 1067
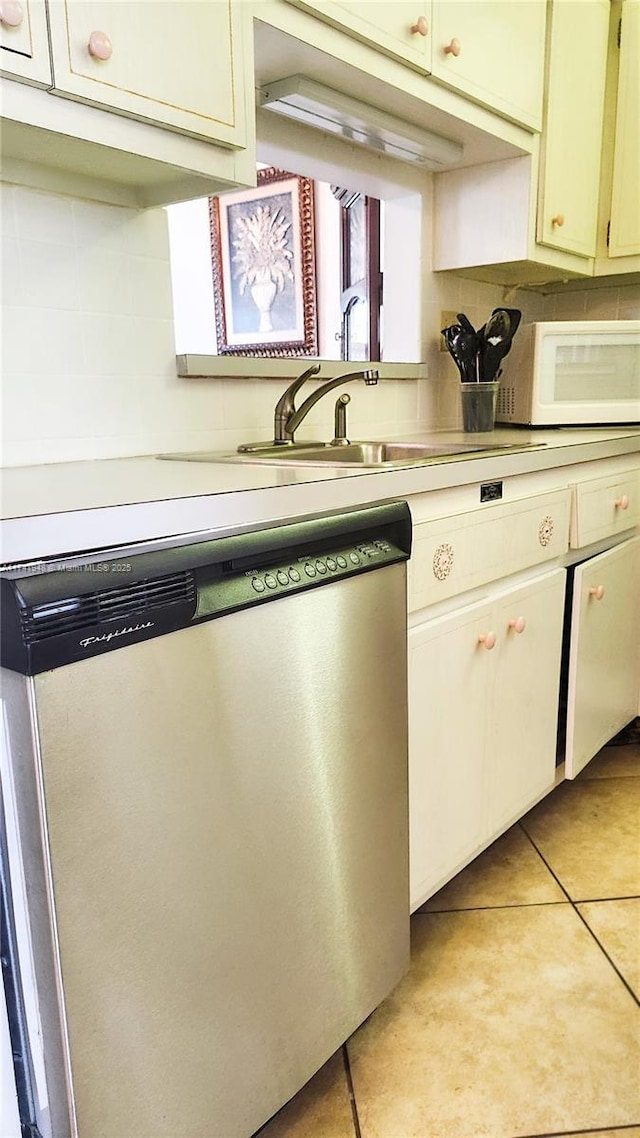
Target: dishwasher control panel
312, 567
239, 590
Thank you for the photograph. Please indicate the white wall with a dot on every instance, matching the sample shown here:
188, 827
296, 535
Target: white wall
191, 278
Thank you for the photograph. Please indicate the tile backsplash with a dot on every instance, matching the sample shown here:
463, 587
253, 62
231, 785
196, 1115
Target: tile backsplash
88, 352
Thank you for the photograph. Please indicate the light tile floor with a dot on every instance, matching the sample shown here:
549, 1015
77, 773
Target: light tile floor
519, 1016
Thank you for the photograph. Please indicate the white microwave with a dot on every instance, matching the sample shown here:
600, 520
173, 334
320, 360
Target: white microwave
572, 372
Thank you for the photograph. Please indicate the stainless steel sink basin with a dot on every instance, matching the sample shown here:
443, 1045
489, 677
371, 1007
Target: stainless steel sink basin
356, 454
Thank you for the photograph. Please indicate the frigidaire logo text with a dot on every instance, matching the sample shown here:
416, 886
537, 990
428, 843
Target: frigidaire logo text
107, 636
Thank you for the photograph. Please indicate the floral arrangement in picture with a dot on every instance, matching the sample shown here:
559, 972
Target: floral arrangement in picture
263, 258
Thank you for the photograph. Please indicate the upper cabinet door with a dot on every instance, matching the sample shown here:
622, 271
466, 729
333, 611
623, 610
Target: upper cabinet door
24, 42
174, 64
493, 51
624, 233
398, 29
571, 144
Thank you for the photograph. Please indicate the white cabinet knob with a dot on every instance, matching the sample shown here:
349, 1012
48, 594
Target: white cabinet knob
518, 624
453, 48
487, 640
622, 503
597, 592
11, 13
420, 27
99, 46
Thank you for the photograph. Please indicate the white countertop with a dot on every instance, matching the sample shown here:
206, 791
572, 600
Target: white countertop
60, 508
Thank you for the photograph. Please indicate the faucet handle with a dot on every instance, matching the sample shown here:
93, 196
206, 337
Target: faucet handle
371, 376
285, 406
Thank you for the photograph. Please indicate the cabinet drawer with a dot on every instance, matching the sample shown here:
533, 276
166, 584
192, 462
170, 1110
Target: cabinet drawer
453, 554
604, 507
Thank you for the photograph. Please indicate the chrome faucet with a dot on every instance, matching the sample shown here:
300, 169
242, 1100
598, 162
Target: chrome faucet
288, 418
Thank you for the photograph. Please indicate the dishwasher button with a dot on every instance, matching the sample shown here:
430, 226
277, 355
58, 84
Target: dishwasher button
283, 577
331, 564
258, 584
321, 567
354, 558
270, 581
342, 561
310, 570
294, 575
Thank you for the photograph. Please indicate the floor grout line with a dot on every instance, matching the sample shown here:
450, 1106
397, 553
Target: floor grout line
490, 908
352, 1094
597, 900
574, 906
575, 1133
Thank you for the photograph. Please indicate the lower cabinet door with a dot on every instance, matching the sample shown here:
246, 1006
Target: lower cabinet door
523, 729
483, 711
449, 680
604, 659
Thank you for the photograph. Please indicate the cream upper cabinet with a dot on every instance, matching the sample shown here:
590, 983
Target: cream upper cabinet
624, 229
165, 63
490, 51
539, 214
24, 42
400, 30
493, 52
572, 137
148, 102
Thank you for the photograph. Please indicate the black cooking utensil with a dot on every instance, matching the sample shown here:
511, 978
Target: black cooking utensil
462, 342
496, 337
465, 322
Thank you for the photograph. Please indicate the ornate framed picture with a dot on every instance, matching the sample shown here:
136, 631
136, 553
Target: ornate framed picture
263, 261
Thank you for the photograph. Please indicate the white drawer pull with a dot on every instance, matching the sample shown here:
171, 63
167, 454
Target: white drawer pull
622, 503
597, 592
487, 640
518, 623
99, 46
421, 26
11, 14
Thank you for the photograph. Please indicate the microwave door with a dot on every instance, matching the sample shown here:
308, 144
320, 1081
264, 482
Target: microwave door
586, 378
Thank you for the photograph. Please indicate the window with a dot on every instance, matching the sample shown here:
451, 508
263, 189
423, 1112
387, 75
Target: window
361, 277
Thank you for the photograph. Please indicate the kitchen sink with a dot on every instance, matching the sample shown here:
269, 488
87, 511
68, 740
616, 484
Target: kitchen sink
356, 454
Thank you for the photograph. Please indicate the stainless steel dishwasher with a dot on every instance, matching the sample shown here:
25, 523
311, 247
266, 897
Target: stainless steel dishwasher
205, 821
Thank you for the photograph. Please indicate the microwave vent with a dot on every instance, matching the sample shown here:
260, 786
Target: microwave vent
506, 400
